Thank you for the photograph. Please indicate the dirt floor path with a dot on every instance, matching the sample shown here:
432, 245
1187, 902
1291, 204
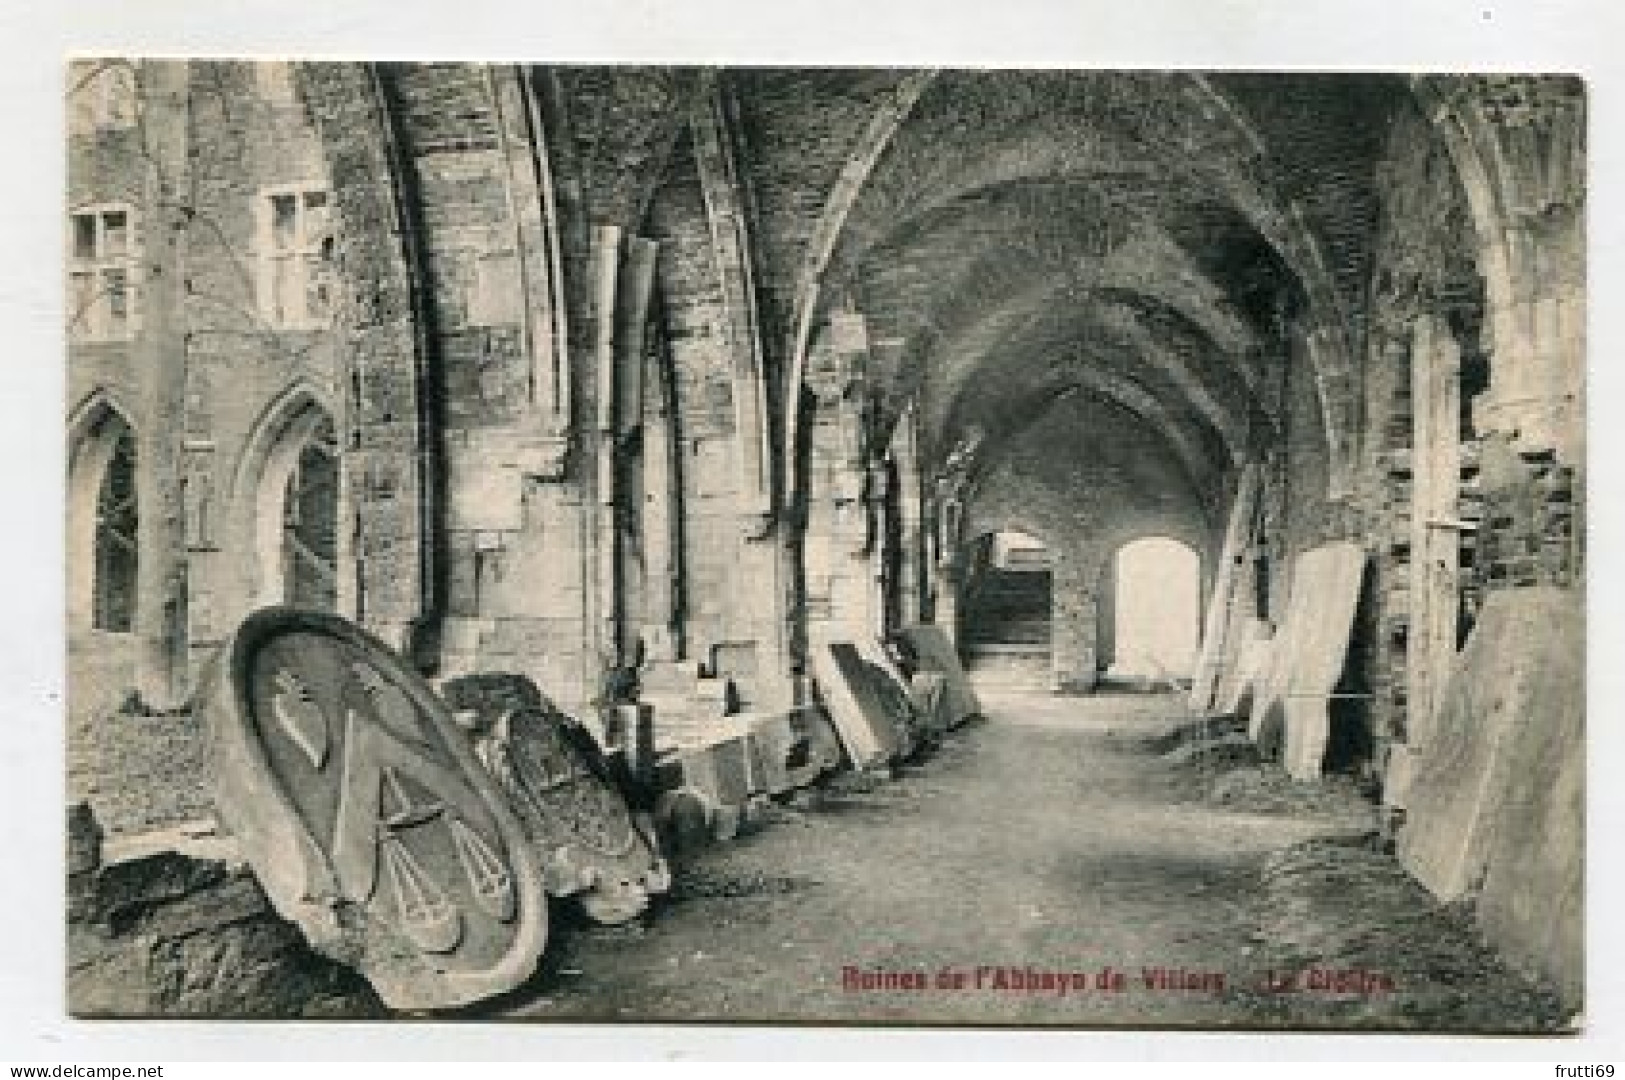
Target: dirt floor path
1047, 836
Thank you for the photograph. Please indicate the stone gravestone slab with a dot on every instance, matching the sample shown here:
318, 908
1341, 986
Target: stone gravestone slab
817, 745
891, 689
783, 755
870, 733
934, 652
1532, 903
928, 694
1308, 655
367, 820
1239, 680
589, 843
1514, 672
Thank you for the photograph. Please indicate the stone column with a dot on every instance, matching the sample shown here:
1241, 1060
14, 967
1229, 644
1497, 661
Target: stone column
159, 354
632, 313
662, 509
1435, 543
600, 600
906, 453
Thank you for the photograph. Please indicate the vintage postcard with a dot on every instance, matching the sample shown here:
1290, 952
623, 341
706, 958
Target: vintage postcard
872, 546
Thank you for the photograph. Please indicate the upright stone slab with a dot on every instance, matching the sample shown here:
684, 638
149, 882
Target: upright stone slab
934, 652
1532, 903
1308, 655
1521, 667
1238, 684
365, 816
928, 696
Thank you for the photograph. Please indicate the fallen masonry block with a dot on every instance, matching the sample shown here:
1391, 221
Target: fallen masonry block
689, 708
367, 819
782, 753
724, 770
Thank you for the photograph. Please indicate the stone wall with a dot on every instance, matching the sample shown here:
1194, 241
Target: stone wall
239, 369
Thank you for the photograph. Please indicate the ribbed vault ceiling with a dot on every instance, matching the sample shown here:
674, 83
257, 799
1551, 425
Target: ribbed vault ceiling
1134, 242
1118, 241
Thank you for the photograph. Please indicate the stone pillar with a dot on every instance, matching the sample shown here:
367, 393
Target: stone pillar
1536, 337
905, 448
1075, 621
389, 498
601, 599
159, 355
662, 509
1435, 542
841, 536
1106, 616
946, 567
633, 293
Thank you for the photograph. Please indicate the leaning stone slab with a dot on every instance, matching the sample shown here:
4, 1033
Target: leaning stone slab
1532, 903
935, 652
928, 696
366, 817
870, 732
818, 745
1308, 655
890, 688
1522, 667
1238, 682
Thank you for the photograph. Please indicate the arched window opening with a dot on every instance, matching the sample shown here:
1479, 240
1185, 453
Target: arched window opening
116, 546
290, 483
310, 523
1156, 611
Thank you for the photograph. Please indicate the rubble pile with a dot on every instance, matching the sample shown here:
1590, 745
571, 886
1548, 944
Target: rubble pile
1386, 954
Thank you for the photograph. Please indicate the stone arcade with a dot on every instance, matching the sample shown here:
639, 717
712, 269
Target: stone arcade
733, 410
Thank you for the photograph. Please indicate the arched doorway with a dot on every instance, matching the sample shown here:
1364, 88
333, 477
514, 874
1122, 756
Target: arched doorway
1006, 609
290, 483
103, 523
1156, 587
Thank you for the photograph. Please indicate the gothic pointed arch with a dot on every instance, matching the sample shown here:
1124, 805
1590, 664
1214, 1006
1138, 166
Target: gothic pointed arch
103, 516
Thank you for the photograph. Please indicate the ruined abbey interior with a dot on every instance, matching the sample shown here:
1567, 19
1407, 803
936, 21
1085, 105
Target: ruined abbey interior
982, 527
